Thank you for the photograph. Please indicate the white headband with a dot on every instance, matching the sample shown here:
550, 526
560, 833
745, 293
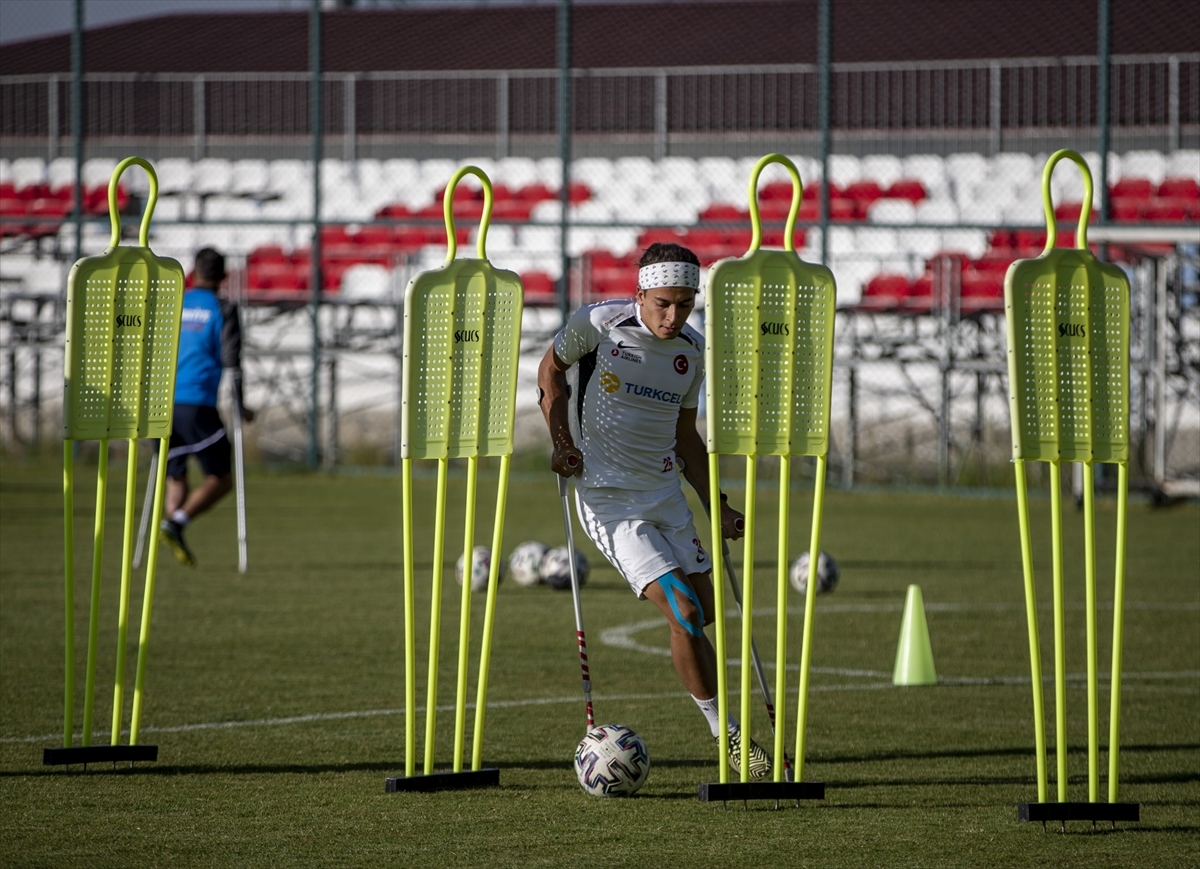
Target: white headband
675, 274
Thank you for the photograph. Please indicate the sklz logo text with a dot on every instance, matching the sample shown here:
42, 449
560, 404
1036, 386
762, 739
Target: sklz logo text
462, 335
129, 321
1071, 330
654, 394
775, 329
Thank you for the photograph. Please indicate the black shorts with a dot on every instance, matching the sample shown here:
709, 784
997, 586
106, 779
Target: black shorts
197, 431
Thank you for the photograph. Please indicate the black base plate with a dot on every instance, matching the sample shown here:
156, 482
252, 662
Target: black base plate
1044, 812
711, 792
445, 781
99, 754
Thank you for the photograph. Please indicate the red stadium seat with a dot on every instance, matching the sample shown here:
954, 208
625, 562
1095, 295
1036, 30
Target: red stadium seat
396, 209
1001, 240
982, 292
724, 212
1179, 188
536, 192
884, 293
1126, 209
266, 253
11, 208
907, 188
515, 210
1166, 210
614, 283
540, 290
578, 192
863, 193
845, 209
776, 190
1133, 188
51, 212
1071, 211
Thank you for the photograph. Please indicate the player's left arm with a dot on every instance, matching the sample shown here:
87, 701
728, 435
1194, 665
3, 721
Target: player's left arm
231, 352
690, 449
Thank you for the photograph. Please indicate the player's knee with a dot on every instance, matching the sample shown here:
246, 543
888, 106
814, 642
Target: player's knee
688, 619
685, 606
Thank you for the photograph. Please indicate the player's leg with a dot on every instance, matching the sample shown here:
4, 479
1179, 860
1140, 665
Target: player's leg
170, 531
213, 489
691, 652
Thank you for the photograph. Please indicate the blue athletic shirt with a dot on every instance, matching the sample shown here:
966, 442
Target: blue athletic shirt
210, 339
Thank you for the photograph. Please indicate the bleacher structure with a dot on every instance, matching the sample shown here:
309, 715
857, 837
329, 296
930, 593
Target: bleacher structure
926, 211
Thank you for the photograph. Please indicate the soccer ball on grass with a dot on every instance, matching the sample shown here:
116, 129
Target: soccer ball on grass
481, 565
611, 761
827, 573
525, 562
556, 568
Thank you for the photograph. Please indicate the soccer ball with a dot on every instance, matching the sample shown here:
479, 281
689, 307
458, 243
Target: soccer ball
556, 568
827, 573
525, 561
611, 761
481, 565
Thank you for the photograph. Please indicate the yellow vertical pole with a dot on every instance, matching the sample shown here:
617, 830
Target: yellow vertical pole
489, 616
123, 606
1089, 561
139, 684
69, 577
714, 498
781, 556
89, 690
1060, 656
1035, 653
464, 620
435, 615
747, 608
410, 641
1114, 715
810, 604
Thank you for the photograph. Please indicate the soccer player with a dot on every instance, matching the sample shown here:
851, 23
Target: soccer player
210, 340
625, 424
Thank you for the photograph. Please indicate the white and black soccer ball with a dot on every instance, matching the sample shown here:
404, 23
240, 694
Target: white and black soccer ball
827, 573
525, 562
612, 761
481, 565
556, 567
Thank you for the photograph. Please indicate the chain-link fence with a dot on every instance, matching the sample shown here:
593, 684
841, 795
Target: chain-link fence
933, 168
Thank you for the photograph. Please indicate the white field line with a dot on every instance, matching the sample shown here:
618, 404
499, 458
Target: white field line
621, 637
550, 701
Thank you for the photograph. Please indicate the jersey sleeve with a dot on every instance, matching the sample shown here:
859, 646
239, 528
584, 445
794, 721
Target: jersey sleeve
578, 338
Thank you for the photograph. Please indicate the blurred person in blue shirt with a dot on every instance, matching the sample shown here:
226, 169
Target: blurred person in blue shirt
210, 341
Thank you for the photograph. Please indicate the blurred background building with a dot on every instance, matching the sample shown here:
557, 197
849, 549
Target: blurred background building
311, 141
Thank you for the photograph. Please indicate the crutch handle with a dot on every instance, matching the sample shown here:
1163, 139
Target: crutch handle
739, 525
572, 461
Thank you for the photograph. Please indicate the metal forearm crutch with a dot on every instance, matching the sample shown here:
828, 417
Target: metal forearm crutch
579, 635
239, 477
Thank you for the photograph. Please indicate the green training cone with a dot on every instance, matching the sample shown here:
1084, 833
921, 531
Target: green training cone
914, 655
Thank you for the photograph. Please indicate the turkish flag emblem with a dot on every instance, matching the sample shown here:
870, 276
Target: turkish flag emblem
681, 364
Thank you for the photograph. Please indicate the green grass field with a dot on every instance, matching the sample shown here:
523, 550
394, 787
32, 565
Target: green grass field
275, 698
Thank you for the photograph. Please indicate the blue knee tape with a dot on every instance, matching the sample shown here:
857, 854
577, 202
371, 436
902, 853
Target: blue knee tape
672, 586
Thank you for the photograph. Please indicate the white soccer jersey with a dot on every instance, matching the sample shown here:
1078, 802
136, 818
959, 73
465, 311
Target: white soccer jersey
626, 397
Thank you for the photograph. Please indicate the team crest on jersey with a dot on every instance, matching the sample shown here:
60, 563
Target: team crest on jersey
681, 364
609, 382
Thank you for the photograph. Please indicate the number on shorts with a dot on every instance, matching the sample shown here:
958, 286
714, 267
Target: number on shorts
668, 464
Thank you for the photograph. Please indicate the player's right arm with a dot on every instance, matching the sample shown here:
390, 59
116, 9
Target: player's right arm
553, 397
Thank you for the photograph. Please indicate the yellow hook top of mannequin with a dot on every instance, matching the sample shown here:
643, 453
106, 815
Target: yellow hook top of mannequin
448, 211
789, 243
1085, 213
114, 214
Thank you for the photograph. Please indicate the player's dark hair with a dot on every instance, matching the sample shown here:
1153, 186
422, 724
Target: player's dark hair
210, 267
667, 252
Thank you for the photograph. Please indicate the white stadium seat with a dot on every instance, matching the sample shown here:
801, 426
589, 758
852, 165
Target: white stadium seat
592, 211
929, 169
972, 242
401, 172
366, 282
844, 169
211, 176
98, 170
250, 178
549, 172
547, 211
1015, 166
883, 169
920, 243
876, 241
27, 171
516, 172
1026, 210
61, 172
1184, 163
1144, 164
966, 170
936, 211
287, 175
174, 176
5, 171
595, 172
982, 212
898, 211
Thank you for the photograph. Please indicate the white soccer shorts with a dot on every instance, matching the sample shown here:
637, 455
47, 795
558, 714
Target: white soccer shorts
643, 534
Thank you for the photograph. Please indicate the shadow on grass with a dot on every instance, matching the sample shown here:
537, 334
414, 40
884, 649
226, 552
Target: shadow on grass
955, 754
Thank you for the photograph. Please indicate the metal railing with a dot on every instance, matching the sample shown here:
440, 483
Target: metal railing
990, 101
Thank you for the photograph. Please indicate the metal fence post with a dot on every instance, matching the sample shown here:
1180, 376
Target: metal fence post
52, 118
564, 150
314, 305
996, 107
502, 116
1102, 104
824, 97
660, 115
1173, 103
349, 116
77, 124
199, 119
